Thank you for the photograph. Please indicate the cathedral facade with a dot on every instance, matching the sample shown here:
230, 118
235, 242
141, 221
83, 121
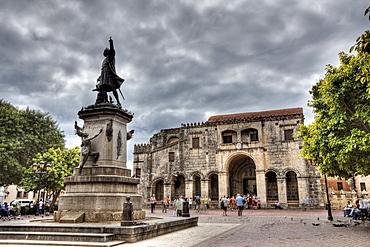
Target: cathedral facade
253, 153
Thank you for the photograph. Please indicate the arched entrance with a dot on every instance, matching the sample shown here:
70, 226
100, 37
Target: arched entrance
159, 190
271, 187
292, 187
178, 185
213, 193
196, 185
242, 175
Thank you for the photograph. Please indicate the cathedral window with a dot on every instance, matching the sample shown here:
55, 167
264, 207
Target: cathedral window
249, 135
340, 185
253, 135
138, 172
228, 139
195, 143
288, 135
229, 136
363, 186
171, 157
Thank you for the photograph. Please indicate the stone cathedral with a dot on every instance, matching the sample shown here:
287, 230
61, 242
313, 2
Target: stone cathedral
253, 153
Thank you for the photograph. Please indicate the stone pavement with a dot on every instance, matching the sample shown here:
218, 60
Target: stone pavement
265, 227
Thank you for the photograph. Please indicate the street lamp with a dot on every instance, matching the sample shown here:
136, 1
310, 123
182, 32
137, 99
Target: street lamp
40, 171
328, 205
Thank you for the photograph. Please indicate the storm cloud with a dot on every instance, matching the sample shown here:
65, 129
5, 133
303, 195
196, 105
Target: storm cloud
183, 61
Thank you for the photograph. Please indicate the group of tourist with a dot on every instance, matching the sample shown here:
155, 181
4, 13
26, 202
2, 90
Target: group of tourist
14, 208
240, 202
7, 210
361, 209
199, 203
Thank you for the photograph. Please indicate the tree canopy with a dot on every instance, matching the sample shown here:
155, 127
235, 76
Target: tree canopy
23, 134
62, 162
339, 138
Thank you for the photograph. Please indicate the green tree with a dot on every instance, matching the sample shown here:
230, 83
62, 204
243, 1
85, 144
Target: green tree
62, 162
23, 134
339, 138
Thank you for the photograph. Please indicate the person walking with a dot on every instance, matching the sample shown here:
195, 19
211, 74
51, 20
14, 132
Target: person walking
240, 204
166, 203
179, 205
225, 201
153, 202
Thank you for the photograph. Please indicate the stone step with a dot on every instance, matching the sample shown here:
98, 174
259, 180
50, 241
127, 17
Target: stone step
24, 243
57, 236
52, 228
73, 217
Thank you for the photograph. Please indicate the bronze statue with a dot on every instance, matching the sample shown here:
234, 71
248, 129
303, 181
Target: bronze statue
108, 81
86, 145
86, 150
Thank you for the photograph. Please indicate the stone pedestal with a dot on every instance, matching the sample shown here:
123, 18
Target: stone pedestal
97, 191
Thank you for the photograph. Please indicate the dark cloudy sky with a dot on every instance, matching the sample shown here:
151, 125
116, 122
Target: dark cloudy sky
183, 61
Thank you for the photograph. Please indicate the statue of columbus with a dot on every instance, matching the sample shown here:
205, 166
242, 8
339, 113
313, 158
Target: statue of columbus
108, 81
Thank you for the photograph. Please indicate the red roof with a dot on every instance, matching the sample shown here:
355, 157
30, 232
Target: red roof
282, 112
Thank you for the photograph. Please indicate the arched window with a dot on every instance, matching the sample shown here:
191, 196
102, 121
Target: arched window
196, 185
159, 190
271, 187
249, 135
173, 139
228, 136
213, 193
292, 186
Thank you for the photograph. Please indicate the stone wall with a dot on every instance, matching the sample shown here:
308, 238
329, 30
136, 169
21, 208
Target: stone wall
254, 153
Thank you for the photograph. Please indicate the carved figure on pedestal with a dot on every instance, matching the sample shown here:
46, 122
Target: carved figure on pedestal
108, 81
86, 145
86, 150
80, 132
109, 130
130, 134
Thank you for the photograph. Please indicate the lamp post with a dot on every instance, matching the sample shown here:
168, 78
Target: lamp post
328, 205
40, 171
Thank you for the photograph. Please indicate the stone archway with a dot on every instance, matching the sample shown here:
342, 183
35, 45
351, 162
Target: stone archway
271, 187
159, 190
213, 185
197, 189
178, 185
292, 187
242, 176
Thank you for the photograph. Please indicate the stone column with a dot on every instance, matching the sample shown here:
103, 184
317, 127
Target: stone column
204, 187
167, 190
303, 188
189, 188
281, 181
261, 186
223, 185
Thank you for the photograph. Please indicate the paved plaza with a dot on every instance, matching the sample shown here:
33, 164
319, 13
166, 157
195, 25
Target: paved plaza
265, 227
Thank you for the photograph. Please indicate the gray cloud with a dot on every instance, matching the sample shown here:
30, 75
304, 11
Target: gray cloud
183, 61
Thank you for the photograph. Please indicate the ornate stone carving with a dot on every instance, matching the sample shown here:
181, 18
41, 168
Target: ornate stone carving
109, 130
119, 144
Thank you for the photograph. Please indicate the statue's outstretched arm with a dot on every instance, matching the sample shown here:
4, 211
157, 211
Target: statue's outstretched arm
101, 130
111, 47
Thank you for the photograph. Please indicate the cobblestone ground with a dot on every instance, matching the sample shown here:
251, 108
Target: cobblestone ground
266, 228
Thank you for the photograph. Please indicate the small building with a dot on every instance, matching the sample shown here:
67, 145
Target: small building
253, 153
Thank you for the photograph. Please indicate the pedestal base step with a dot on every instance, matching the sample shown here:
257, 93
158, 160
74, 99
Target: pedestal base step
73, 217
15, 243
58, 236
